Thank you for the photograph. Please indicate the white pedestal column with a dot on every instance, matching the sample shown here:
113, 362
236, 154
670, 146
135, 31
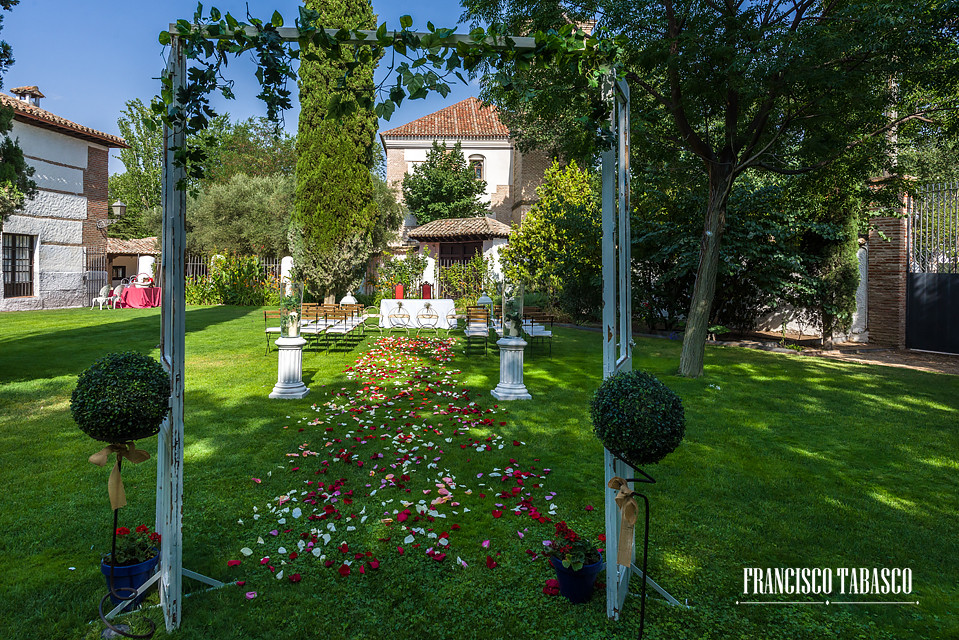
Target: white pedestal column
511, 385
289, 379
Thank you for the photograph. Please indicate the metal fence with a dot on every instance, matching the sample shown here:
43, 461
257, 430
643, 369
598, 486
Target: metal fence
934, 229
198, 266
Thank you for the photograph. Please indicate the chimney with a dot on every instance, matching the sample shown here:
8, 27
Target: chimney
30, 95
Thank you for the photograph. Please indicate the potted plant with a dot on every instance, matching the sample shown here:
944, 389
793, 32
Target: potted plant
121, 397
637, 418
135, 560
576, 561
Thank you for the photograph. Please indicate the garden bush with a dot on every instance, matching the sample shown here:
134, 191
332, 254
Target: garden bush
121, 397
637, 417
465, 282
234, 280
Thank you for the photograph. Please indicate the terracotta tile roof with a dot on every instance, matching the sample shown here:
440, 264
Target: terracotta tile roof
26, 112
135, 247
32, 90
461, 228
465, 119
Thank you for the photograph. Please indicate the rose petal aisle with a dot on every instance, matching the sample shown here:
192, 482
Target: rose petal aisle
381, 470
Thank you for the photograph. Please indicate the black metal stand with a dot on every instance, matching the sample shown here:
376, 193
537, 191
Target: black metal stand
647, 479
115, 591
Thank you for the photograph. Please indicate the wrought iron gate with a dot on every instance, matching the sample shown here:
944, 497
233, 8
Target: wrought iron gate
95, 277
932, 283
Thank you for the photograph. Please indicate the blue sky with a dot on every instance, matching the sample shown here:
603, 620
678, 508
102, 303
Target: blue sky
90, 56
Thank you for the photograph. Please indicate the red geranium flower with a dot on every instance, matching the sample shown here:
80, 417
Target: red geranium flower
142, 528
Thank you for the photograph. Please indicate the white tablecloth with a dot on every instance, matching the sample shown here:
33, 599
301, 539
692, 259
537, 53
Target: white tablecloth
442, 308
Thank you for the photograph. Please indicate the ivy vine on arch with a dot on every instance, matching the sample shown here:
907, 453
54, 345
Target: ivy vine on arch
419, 63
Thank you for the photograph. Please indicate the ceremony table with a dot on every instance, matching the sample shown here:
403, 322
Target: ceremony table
442, 308
140, 297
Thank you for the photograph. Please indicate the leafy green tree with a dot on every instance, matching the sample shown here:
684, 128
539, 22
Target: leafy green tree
333, 226
444, 186
139, 185
254, 147
15, 183
248, 215
556, 249
762, 86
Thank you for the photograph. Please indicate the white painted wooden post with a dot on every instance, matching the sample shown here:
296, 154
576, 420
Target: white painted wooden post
169, 512
617, 316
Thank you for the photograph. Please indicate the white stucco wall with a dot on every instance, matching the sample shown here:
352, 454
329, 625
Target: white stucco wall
430, 273
59, 205
54, 217
858, 332
50, 145
48, 229
53, 176
497, 158
145, 265
491, 249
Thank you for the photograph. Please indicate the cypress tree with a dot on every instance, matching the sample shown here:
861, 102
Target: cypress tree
332, 228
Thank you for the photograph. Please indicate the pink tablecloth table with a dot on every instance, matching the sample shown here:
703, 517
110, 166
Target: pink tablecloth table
140, 297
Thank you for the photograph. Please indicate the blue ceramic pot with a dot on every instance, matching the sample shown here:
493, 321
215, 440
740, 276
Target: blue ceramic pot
132, 576
577, 586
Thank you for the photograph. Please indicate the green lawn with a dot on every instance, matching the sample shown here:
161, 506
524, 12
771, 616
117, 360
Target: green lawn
788, 462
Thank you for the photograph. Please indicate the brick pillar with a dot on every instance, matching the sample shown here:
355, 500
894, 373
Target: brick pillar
887, 282
95, 179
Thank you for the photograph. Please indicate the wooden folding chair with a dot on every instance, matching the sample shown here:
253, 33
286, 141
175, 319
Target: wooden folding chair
271, 320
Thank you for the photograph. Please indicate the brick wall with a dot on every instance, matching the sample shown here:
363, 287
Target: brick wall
95, 189
886, 321
528, 175
501, 203
395, 170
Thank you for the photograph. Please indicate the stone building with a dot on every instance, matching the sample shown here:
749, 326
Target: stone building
47, 247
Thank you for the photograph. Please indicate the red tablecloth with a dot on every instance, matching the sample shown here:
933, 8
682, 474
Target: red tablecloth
140, 298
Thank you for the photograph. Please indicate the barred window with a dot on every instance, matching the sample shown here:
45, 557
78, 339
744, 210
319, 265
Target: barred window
17, 265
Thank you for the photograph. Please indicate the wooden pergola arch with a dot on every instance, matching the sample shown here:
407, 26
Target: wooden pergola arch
617, 331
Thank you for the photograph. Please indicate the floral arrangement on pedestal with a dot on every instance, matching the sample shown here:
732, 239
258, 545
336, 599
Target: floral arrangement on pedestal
513, 310
291, 310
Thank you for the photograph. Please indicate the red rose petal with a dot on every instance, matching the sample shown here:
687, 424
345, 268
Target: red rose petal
344, 570
232, 563
295, 577
490, 563
497, 513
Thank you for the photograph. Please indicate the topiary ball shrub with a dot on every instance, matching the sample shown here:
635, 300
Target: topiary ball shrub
637, 417
121, 397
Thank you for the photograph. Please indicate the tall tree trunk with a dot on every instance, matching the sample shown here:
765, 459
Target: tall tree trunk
704, 289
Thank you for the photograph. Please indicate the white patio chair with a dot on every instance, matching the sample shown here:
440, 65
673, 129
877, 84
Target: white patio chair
102, 298
114, 299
